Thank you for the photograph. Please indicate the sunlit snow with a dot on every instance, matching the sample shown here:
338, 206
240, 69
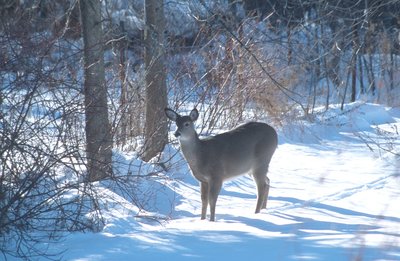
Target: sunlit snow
332, 198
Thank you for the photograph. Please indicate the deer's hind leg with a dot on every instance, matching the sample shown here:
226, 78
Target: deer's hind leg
262, 182
264, 205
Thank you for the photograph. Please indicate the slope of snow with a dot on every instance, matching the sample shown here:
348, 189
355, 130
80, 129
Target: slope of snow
333, 196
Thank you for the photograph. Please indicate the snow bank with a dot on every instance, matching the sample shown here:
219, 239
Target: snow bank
335, 199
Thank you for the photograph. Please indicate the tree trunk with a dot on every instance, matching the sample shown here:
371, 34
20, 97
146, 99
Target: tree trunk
122, 132
97, 126
355, 46
361, 75
156, 91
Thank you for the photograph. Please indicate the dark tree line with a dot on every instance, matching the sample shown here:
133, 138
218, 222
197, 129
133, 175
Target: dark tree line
363, 28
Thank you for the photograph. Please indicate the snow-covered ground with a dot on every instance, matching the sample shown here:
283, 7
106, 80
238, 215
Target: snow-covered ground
335, 195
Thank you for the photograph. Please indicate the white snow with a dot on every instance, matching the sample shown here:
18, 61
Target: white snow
332, 197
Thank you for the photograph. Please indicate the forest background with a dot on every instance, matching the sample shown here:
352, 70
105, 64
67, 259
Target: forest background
61, 123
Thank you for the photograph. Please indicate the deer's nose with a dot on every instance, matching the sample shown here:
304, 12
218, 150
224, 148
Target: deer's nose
177, 133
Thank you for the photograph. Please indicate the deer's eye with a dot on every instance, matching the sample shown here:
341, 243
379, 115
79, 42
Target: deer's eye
186, 124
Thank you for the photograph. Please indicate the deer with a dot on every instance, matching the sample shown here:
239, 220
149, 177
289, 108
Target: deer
246, 149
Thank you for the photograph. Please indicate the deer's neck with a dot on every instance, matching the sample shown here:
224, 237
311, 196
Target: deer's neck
191, 150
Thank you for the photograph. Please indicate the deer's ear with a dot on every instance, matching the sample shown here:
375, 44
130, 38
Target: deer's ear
194, 114
171, 114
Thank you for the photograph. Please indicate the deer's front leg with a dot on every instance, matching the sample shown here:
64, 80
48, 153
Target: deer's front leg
204, 199
214, 189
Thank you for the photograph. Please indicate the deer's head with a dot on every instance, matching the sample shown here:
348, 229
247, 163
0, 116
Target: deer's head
185, 123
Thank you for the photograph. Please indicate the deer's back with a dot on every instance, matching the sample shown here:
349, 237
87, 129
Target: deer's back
237, 151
